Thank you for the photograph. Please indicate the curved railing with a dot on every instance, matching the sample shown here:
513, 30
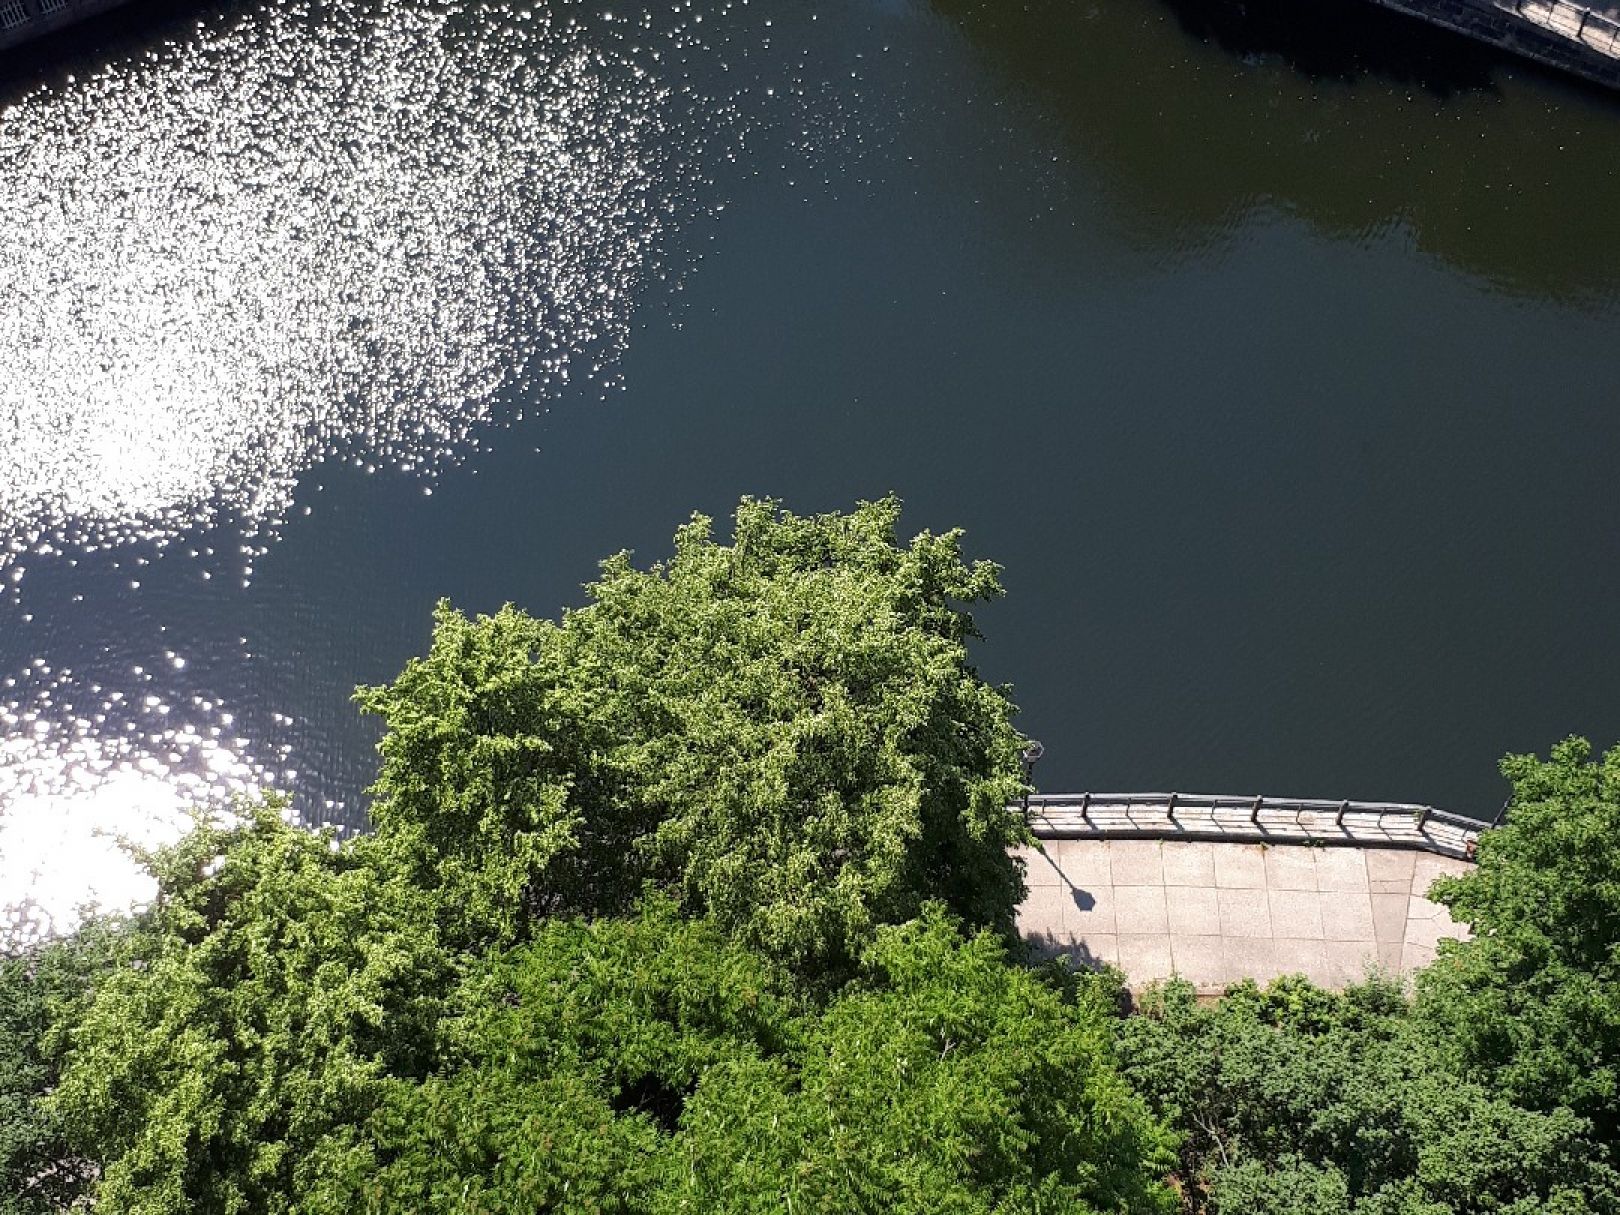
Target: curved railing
1591, 27
1251, 819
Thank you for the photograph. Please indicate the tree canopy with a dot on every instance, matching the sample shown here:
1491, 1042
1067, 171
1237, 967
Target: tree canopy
1298, 1101
248, 1020
40, 991
1531, 1004
650, 1065
784, 731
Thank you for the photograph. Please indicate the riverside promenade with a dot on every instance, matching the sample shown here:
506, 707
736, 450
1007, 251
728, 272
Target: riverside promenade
1220, 889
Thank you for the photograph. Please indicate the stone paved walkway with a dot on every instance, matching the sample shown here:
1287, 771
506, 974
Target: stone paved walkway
1216, 913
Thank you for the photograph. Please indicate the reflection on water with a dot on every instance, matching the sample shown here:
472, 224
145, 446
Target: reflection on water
1358, 121
292, 237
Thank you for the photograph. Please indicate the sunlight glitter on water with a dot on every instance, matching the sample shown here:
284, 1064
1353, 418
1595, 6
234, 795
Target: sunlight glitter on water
85, 774
297, 237
369, 231
347, 231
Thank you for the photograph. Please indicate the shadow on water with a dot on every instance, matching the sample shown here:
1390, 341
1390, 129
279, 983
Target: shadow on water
124, 32
1343, 40
1194, 114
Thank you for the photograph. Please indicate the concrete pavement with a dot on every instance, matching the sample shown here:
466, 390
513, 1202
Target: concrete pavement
1216, 913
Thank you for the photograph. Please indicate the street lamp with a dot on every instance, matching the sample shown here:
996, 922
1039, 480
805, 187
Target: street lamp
1032, 751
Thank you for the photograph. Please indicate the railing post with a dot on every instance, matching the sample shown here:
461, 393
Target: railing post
1172, 807
1423, 817
1254, 810
1338, 819
1502, 813
1085, 805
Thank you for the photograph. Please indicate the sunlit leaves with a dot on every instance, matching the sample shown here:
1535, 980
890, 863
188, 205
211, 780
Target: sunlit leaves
1531, 1005
784, 731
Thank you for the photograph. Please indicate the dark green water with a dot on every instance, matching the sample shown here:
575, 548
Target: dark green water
1276, 363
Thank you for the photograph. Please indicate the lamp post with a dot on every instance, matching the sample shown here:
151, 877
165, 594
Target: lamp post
1032, 751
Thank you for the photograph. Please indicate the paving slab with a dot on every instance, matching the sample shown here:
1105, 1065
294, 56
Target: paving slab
1241, 866
1413, 957
1390, 865
1347, 916
1040, 868
1188, 863
1090, 911
1041, 916
1098, 949
1389, 913
1146, 958
1201, 960
1290, 867
1141, 907
1194, 910
1348, 962
1429, 931
1251, 958
1341, 869
1140, 866
1426, 868
1302, 957
1296, 913
1086, 862
1245, 913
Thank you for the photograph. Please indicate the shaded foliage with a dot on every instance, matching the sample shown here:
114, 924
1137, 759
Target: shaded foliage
46, 987
649, 1065
1297, 1100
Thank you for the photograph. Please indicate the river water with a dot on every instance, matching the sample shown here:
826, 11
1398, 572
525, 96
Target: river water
1276, 364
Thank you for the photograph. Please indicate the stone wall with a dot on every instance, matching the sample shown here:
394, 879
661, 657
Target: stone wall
1219, 912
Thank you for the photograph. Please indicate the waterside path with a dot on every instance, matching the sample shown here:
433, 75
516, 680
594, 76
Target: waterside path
1218, 889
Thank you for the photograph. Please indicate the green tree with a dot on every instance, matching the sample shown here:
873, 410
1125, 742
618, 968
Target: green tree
1531, 1004
784, 731
652, 1065
1294, 1100
232, 1051
566, 1064
46, 987
945, 1079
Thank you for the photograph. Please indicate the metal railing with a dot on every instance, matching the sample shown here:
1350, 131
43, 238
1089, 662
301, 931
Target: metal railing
1590, 27
1254, 817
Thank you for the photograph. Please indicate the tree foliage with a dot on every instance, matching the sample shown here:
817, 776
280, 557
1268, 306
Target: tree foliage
47, 987
698, 899
1531, 1004
248, 1021
1296, 1100
651, 1065
785, 731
